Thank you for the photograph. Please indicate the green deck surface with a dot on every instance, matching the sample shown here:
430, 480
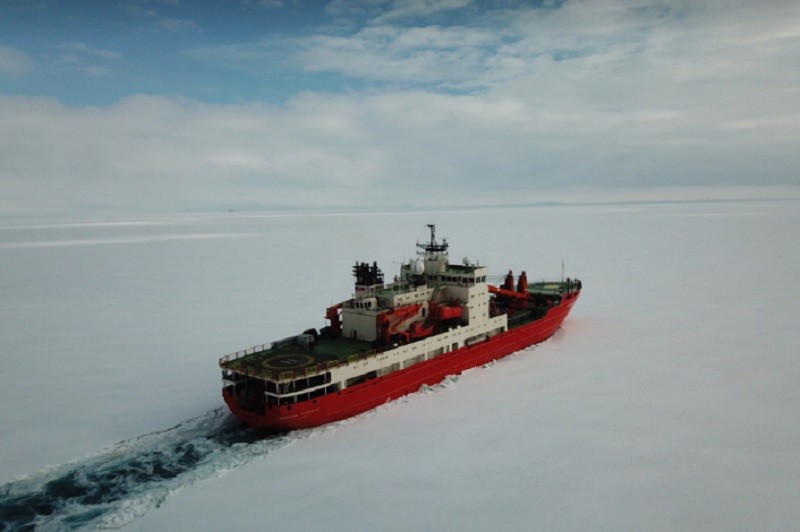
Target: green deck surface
292, 357
548, 288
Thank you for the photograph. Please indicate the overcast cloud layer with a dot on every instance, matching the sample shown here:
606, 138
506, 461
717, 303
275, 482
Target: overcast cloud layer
407, 103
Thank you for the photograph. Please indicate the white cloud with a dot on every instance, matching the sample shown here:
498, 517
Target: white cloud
588, 94
96, 71
444, 57
154, 153
150, 153
83, 49
176, 25
13, 63
343, 11
678, 44
270, 4
141, 9
91, 61
378, 12
404, 9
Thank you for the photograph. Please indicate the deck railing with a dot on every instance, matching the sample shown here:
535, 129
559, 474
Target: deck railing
244, 352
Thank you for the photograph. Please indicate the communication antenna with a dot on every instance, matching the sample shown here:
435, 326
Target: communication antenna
562, 270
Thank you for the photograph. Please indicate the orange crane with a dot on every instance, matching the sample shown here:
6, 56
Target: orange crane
389, 322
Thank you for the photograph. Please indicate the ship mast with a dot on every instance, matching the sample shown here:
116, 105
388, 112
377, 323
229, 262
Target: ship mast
432, 248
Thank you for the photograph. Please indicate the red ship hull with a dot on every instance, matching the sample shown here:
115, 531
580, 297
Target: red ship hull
368, 395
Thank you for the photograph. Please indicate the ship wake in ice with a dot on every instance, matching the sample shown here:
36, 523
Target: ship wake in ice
114, 486
119, 483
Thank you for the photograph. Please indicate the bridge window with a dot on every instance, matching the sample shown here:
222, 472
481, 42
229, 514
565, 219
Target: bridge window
361, 378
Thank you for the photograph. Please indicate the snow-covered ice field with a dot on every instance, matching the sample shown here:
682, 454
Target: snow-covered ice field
668, 401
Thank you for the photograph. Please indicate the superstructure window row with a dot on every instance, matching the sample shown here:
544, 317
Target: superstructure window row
463, 280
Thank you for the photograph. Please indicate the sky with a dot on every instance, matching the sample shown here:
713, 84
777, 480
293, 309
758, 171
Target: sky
175, 106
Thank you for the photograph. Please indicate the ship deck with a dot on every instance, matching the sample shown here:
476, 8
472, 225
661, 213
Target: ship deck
554, 288
287, 359
274, 362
